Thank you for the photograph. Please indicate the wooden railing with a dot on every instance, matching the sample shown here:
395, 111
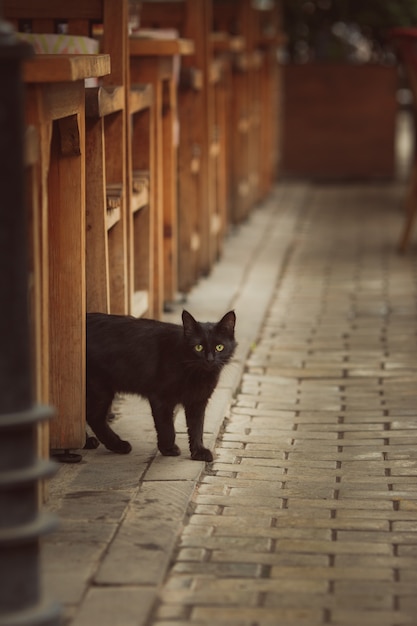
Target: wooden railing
139, 178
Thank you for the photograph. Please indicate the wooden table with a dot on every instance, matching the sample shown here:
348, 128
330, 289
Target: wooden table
55, 107
153, 61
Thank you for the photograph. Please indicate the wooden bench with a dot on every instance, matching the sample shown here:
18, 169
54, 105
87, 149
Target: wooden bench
198, 222
143, 245
55, 108
153, 61
254, 110
107, 275
225, 47
114, 245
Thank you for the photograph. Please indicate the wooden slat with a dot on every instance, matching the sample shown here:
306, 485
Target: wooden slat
140, 191
115, 134
224, 42
66, 241
101, 101
191, 78
141, 98
59, 99
113, 216
97, 255
45, 9
80, 28
142, 260
160, 47
114, 42
31, 145
140, 303
43, 26
164, 14
54, 68
198, 28
142, 222
215, 71
140, 199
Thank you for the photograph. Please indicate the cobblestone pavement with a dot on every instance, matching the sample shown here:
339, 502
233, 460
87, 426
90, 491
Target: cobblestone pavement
120, 516
308, 516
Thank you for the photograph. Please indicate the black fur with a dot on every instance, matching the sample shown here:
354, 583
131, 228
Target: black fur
160, 362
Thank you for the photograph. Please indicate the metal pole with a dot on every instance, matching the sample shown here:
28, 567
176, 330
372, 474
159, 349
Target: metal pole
21, 523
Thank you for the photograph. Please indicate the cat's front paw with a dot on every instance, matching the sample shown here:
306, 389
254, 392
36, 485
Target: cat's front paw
91, 443
174, 451
121, 447
202, 454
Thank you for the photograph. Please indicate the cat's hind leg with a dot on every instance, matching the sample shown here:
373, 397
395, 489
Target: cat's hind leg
98, 403
163, 417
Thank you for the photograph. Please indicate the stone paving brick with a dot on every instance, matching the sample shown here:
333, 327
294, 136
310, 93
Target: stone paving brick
127, 606
222, 570
216, 542
138, 542
246, 616
233, 524
372, 618
363, 601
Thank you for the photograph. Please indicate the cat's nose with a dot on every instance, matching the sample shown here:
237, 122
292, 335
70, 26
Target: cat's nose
210, 356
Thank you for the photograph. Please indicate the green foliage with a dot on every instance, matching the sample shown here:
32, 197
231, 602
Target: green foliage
308, 24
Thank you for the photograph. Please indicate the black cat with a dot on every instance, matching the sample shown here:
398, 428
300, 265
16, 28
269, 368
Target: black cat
166, 363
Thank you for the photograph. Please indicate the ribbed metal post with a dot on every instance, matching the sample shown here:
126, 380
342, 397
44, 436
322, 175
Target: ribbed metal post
21, 524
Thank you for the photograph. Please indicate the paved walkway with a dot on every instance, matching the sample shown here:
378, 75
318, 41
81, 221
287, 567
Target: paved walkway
308, 516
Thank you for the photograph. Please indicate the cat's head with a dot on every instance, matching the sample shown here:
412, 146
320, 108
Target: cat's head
211, 343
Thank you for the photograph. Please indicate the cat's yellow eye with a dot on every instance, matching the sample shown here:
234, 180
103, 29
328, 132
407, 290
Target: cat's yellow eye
198, 348
219, 347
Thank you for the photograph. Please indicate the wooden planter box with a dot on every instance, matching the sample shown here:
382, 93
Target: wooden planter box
339, 121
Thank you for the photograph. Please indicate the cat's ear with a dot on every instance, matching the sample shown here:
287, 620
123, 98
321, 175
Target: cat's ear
189, 323
227, 323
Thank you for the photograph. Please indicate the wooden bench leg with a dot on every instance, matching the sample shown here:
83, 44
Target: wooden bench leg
97, 256
66, 227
